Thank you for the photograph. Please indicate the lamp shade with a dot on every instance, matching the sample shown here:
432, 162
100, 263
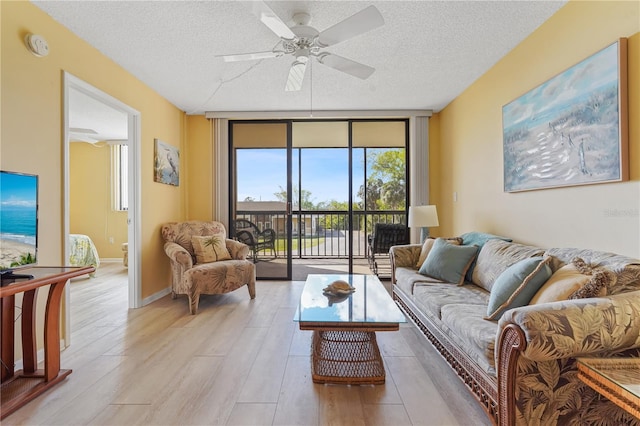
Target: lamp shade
423, 216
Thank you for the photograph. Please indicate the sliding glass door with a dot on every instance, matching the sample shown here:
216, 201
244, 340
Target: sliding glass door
261, 200
317, 189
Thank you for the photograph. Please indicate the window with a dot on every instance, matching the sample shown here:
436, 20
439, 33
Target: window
120, 176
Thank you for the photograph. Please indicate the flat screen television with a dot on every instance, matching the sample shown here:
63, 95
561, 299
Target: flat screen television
18, 223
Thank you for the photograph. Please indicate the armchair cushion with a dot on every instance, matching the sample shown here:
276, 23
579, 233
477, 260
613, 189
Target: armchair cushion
210, 248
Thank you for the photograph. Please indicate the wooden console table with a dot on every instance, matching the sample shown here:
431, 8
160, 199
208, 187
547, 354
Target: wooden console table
617, 379
18, 388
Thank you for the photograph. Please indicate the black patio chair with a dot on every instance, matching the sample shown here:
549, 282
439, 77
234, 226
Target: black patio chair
385, 235
248, 233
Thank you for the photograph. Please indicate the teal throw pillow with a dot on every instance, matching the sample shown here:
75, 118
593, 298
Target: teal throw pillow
479, 238
448, 262
517, 285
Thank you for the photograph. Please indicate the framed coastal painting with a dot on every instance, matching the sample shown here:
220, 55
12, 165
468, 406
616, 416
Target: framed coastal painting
572, 129
166, 165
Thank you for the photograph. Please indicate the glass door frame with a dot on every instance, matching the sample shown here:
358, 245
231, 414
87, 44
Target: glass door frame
289, 148
234, 190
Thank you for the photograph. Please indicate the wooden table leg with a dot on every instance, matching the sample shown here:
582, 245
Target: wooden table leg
29, 343
7, 314
52, 332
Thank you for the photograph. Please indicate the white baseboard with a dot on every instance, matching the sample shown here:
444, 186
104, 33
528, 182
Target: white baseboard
156, 296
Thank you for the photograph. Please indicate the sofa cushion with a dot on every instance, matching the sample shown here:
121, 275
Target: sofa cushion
517, 285
496, 256
210, 248
464, 324
448, 262
478, 239
433, 296
428, 245
564, 282
408, 278
597, 286
627, 269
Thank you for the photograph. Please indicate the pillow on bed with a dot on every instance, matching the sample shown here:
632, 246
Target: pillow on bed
448, 262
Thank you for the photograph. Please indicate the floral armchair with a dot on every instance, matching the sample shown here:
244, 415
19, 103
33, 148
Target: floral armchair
204, 261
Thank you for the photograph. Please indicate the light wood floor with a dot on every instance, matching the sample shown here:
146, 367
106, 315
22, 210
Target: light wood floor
237, 362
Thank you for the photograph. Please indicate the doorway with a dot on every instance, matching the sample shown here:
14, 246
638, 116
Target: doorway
96, 107
322, 185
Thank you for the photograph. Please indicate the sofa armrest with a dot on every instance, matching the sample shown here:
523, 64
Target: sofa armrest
536, 355
178, 254
577, 327
405, 255
237, 250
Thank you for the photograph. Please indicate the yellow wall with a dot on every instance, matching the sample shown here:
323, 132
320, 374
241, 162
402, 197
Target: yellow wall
199, 168
90, 205
469, 144
31, 136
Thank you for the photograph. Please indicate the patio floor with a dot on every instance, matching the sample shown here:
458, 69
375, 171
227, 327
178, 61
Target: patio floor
267, 268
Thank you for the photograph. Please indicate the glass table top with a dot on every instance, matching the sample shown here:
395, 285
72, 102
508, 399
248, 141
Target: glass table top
622, 372
369, 303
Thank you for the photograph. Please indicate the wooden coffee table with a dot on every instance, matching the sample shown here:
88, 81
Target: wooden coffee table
344, 348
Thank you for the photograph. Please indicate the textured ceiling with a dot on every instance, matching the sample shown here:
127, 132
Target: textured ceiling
425, 55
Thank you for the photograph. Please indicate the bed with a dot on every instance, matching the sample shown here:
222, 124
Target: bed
82, 252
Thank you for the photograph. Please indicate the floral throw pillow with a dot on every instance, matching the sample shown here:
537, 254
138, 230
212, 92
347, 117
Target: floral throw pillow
210, 248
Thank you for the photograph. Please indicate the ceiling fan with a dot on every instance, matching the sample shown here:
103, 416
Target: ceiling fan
304, 42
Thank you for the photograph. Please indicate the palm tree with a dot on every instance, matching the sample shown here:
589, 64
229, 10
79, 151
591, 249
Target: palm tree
214, 241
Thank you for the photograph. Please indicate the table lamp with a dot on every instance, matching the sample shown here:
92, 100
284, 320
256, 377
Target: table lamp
423, 217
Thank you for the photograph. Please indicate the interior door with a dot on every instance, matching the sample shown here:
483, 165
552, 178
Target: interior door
261, 196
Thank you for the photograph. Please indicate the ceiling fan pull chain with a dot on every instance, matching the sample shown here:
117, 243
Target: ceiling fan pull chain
311, 84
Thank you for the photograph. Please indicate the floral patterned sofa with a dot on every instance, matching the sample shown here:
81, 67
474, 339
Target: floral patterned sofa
204, 261
522, 367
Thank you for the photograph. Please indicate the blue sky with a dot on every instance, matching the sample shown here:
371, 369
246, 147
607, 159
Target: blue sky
261, 172
18, 190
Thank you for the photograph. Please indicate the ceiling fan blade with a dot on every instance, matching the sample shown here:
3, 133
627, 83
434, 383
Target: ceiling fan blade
250, 56
296, 75
348, 66
271, 20
363, 21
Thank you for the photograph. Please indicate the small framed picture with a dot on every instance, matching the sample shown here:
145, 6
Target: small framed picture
166, 165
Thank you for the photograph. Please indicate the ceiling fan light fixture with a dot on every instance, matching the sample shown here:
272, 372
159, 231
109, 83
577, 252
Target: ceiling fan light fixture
302, 55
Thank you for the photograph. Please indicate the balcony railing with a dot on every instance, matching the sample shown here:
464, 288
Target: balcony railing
322, 233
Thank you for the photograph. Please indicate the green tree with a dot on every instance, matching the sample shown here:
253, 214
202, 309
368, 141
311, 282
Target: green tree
373, 193
386, 183
307, 203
